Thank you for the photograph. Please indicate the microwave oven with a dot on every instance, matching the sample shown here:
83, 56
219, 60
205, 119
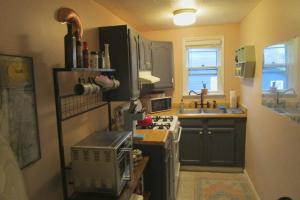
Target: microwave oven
158, 104
102, 162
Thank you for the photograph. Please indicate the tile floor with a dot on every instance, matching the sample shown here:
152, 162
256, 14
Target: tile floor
188, 183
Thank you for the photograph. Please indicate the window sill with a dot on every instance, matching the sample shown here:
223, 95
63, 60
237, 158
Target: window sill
193, 96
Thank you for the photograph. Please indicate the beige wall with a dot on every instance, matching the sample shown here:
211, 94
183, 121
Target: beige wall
231, 40
28, 28
273, 141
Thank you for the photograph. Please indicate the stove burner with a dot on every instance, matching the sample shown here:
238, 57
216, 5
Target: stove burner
155, 126
161, 126
162, 118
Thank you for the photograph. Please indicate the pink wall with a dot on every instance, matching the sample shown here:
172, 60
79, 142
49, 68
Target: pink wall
28, 28
273, 141
231, 40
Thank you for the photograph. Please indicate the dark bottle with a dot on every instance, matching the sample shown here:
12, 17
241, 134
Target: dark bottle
85, 55
78, 50
70, 48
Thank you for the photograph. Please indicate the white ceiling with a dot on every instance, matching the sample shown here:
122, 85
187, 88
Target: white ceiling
148, 15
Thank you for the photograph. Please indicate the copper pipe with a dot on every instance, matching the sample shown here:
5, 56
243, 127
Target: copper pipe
67, 15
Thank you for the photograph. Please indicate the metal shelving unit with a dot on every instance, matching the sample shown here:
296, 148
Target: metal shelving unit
71, 105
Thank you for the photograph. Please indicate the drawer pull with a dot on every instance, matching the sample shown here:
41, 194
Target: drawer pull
200, 132
209, 132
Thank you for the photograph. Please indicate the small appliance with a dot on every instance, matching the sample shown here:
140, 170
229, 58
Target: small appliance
158, 104
103, 162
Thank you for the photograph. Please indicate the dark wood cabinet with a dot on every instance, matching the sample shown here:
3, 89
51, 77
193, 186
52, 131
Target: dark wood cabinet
221, 146
213, 142
145, 49
159, 175
124, 57
162, 64
192, 137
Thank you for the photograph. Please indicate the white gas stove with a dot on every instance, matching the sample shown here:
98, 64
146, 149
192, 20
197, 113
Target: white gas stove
171, 124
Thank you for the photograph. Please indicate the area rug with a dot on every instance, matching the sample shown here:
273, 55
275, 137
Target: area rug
223, 188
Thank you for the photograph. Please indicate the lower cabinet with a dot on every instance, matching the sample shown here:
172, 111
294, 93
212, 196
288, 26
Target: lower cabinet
192, 146
159, 173
213, 142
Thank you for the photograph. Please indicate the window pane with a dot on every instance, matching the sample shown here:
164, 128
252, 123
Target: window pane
280, 78
198, 76
202, 57
275, 67
275, 54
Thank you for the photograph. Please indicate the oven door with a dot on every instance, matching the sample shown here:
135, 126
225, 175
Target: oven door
176, 156
125, 167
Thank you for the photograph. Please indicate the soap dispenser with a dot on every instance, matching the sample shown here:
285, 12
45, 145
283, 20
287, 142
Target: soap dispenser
181, 106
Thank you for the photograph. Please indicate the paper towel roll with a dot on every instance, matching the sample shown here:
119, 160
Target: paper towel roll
232, 99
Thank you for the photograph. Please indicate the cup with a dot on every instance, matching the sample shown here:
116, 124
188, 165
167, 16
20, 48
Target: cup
82, 88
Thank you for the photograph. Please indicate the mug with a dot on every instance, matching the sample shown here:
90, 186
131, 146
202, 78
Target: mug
82, 88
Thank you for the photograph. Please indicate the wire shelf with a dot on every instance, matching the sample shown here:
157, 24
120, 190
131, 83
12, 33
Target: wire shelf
74, 105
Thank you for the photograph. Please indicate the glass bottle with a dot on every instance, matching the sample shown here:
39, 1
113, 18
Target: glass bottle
85, 55
70, 48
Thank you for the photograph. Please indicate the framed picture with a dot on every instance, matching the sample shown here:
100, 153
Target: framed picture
18, 116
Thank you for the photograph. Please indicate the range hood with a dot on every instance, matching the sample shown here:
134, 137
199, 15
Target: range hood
146, 77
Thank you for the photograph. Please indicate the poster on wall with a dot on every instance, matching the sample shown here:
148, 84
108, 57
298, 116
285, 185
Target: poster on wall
18, 117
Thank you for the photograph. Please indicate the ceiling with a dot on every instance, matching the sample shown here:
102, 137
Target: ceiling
148, 15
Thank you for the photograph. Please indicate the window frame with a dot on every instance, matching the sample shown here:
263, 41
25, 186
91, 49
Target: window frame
277, 66
194, 42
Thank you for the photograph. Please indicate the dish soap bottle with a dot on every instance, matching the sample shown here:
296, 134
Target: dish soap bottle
181, 106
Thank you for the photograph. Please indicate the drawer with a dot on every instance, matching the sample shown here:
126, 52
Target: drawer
192, 122
221, 122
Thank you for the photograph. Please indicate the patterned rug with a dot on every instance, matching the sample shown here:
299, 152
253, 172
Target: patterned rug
223, 188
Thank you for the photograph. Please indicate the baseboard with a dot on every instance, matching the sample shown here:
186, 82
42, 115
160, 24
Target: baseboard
211, 169
251, 184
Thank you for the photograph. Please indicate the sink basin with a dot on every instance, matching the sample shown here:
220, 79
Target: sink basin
191, 111
202, 111
213, 110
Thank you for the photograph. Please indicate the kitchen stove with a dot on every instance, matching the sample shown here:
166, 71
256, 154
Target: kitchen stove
171, 124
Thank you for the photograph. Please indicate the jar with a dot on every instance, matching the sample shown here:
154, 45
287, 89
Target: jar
94, 60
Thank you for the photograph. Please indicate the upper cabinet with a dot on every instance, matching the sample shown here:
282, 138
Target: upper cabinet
124, 57
145, 48
245, 62
162, 64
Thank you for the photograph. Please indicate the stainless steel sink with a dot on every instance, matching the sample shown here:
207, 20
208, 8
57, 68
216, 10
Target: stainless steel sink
202, 111
191, 111
213, 111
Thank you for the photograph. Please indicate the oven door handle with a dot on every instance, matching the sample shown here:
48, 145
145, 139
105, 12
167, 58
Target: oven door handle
130, 176
179, 134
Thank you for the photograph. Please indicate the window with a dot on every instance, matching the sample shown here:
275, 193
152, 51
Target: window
275, 69
203, 65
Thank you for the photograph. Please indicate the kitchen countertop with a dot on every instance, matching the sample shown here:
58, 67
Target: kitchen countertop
154, 137
174, 111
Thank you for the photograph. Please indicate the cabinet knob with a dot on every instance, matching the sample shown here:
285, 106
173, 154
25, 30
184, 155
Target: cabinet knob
209, 132
200, 132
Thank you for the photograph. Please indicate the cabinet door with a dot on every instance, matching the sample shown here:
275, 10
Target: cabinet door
169, 172
145, 54
134, 61
162, 64
221, 146
192, 146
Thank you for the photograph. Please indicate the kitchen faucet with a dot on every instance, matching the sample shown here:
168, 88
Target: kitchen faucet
279, 94
202, 104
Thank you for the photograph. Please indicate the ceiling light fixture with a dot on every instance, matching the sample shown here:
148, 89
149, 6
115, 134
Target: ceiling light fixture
184, 17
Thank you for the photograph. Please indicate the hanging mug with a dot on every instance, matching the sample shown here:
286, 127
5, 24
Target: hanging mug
82, 88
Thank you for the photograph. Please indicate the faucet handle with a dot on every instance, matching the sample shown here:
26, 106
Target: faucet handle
208, 104
214, 104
